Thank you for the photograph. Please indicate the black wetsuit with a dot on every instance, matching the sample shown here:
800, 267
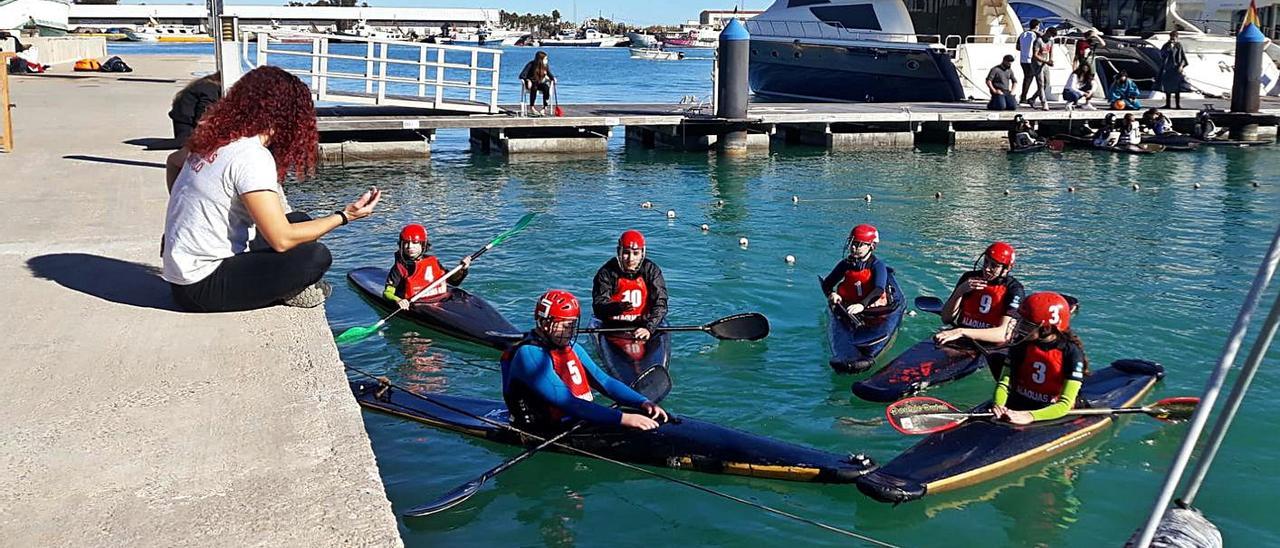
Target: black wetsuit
605, 306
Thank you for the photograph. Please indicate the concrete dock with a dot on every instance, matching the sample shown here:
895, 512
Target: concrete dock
122, 421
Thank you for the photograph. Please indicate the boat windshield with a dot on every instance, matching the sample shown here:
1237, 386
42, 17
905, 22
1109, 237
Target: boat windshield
1130, 17
942, 17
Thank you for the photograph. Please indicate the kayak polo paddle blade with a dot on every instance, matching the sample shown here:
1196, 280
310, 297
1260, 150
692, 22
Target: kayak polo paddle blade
932, 305
923, 415
751, 326
1174, 409
448, 500
356, 333
654, 383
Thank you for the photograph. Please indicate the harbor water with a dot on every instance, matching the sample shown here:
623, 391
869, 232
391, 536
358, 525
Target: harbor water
1160, 272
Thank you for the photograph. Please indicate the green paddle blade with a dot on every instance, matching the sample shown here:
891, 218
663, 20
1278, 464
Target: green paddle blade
356, 333
523, 222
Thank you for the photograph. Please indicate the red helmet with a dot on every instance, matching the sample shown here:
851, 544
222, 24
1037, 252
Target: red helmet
864, 233
1000, 253
631, 239
557, 305
413, 233
1046, 309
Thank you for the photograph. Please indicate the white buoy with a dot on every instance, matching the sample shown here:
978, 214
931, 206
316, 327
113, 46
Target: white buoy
1071, 189
911, 313
705, 227
937, 195
791, 259
1197, 185
742, 241
671, 213
795, 199
868, 198
1136, 187
646, 205
1255, 184
1006, 192
719, 203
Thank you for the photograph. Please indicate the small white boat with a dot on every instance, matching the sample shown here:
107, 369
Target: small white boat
656, 54
586, 38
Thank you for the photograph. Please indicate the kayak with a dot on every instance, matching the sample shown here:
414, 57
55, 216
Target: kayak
683, 443
922, 366
1234, 143
625, 358
1029, 148
981, 449
1178, 143
459, 314
1085, 142
854, 348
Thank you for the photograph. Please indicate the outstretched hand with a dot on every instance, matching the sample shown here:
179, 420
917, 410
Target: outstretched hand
363, 206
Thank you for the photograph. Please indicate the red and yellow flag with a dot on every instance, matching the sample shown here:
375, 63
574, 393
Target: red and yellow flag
1251, 18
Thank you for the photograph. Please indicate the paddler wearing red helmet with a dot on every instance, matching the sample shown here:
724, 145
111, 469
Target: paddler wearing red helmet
415, 268
1046, 364
629, 290
548, 378
860, 280
984, 305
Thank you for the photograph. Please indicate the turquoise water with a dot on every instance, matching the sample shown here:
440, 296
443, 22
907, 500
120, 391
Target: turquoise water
1160, 272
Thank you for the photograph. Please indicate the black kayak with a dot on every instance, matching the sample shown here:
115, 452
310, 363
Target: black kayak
1175, 143
1029, 148
854, 348
1085, 142
683, 443
981, 449
625, 358
924, 365
459, 314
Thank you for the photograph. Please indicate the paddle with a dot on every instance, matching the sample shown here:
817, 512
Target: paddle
359, 332
655, 378
751, 326
925, 415
555, 99
840, 311
933, 305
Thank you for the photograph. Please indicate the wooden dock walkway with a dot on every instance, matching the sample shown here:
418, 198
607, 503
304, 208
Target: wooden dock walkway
837, 126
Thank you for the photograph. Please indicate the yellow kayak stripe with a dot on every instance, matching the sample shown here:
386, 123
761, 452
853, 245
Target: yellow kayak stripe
1031, 456
770, 471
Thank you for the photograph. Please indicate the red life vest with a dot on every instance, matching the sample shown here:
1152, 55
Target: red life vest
567, 366
854, 286
425, 271
985, 308
1041, 375
634, 291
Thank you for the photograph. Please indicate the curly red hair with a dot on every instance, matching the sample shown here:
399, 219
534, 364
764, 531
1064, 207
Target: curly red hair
266, 100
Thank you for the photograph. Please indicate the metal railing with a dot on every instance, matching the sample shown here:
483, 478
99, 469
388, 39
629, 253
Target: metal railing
377, 71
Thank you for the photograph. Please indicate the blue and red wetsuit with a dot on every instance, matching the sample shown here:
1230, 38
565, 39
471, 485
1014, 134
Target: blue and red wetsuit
545, 386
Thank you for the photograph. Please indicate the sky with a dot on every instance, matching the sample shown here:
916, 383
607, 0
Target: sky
636, 12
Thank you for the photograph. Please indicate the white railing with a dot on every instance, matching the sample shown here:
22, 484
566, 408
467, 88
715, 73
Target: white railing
384, 71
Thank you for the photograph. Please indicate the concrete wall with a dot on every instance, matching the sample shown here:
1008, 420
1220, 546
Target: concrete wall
57, 50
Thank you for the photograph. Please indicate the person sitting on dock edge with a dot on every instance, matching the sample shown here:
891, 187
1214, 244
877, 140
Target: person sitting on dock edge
1123, 94
1000, 82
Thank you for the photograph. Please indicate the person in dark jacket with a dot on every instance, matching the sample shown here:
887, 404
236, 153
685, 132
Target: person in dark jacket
536, 76
1171, 78
629, 290
190, 104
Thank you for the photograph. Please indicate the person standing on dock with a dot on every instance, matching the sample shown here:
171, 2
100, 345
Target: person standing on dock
537, 76
1173, 62
1000, 82
1041, 60
1026, 48
230, 240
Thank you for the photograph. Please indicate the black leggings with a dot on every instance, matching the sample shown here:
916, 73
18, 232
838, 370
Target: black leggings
256, 279
545, 88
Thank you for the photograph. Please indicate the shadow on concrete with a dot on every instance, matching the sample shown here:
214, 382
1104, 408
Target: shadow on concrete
106, 278
119, 161
155, 143
147, 80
